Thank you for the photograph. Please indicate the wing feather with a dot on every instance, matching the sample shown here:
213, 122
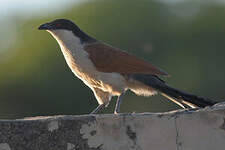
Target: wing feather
110, 59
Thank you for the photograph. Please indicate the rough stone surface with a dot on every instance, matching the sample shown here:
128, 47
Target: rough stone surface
199, 129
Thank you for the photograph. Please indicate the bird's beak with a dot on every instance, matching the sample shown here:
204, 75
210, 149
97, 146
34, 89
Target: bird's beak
45, 26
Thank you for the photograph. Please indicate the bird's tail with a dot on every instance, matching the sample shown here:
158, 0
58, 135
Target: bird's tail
179, 97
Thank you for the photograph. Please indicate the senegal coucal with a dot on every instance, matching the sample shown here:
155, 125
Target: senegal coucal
109, 71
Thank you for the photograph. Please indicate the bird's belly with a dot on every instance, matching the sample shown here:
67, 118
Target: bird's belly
84, 69
88, 76
112, 83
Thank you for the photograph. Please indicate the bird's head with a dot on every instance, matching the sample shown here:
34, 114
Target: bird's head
59, 24
64, 26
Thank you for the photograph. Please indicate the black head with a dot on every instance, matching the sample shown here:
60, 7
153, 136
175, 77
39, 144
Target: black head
59, 24
64, 24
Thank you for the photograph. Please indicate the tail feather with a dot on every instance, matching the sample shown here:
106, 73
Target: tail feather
169, 92
178, 102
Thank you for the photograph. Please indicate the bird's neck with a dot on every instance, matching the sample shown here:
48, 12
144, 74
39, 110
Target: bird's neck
72, 49
67, 40
75, 55
83, 36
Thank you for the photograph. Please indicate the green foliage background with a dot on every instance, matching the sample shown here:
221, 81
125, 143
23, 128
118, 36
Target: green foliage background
186, 39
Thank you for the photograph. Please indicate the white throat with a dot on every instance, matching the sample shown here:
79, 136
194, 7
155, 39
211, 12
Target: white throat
67, 39
76, 57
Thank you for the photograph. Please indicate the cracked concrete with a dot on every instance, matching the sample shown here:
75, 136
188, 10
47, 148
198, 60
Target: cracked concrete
53, 125
4, 146
178, 143
194, 129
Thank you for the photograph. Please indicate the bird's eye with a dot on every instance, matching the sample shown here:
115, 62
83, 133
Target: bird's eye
58, 25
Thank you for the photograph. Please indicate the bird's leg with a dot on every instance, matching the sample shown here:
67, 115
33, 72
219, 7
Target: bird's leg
97, 109
118, 102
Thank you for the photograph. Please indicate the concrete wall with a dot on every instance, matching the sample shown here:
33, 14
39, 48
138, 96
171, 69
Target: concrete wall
202, 129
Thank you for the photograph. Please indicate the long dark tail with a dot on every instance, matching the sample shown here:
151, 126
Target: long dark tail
173, 94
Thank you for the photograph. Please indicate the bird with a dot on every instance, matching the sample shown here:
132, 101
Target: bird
109, 71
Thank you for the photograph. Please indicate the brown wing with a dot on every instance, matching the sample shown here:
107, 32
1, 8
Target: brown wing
110, 59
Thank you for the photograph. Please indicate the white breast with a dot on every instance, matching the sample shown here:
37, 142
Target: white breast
80, 64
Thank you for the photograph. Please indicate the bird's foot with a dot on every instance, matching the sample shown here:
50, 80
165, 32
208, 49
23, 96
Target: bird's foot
116, 113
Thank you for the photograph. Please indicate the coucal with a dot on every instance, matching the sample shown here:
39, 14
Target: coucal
109, 71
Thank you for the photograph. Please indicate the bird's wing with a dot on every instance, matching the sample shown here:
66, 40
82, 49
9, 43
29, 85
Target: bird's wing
110, 59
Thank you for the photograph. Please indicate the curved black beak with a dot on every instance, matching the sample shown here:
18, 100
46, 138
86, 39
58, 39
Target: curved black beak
45, 26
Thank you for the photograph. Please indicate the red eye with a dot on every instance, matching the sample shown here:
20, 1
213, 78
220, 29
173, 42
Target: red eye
58, 25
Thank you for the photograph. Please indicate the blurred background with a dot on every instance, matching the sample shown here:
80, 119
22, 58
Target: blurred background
186, 38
